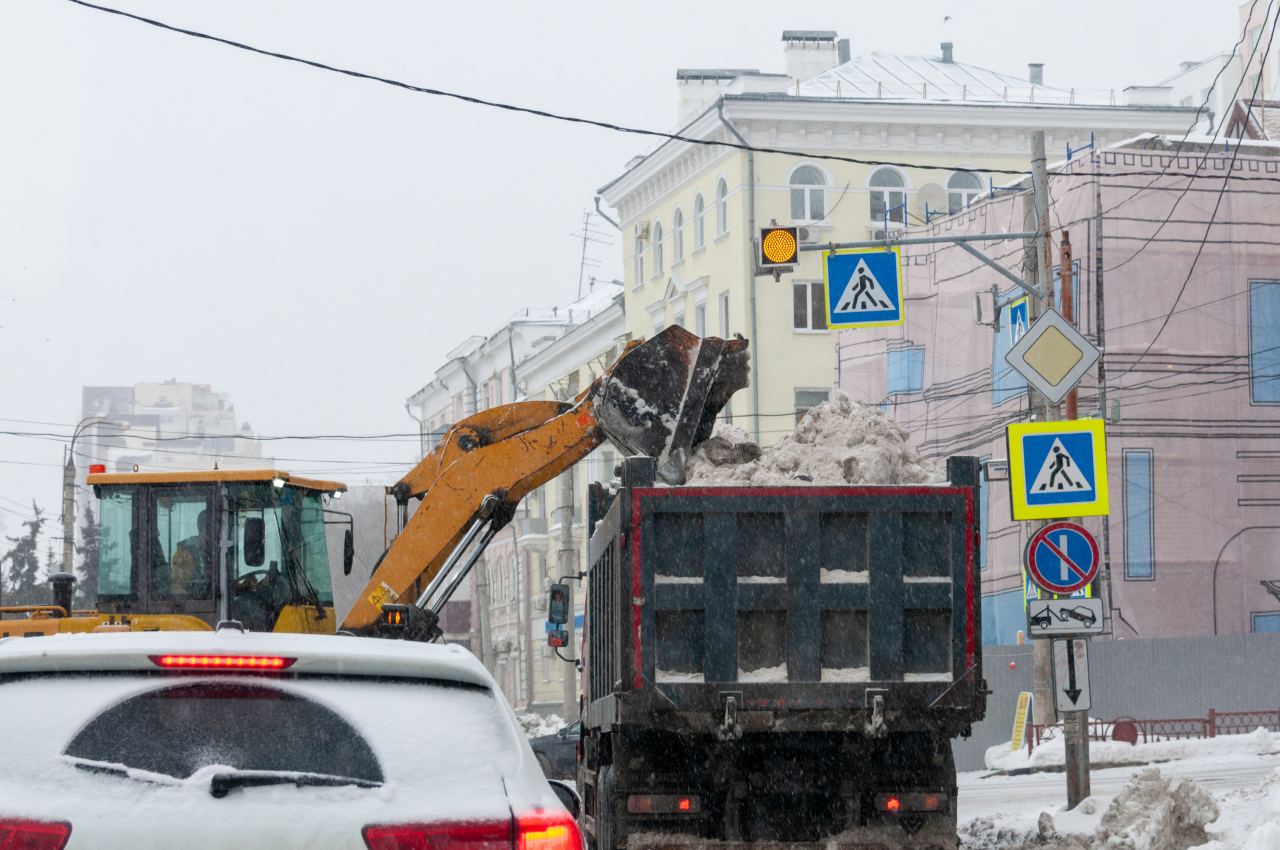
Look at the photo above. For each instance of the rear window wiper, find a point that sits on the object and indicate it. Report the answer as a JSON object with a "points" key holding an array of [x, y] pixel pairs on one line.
{"points": [[222, 783]]}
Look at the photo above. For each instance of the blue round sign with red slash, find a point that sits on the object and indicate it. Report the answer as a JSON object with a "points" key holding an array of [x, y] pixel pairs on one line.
{"points": [[1062, 557]]}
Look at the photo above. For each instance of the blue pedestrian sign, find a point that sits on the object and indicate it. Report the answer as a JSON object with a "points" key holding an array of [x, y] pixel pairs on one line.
{"points": [[1058, 469], [1018, 321], [864, 287], [1062, 558]]}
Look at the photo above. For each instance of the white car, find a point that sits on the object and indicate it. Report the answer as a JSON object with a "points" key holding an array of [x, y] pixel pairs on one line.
{"points": [[239, 740]]}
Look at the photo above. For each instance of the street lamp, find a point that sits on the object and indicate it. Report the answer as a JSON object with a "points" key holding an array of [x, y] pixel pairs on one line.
{"points": [[69, 489]]}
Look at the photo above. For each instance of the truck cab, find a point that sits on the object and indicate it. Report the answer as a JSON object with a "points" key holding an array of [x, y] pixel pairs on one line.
{"points": [[186, 550]]}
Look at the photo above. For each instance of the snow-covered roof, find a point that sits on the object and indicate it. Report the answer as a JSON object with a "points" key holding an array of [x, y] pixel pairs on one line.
{"points": [[892, 77]]}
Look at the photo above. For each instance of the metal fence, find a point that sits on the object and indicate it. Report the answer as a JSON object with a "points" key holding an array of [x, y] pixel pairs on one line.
{"points": [[1232, 676], [1217, 723]]}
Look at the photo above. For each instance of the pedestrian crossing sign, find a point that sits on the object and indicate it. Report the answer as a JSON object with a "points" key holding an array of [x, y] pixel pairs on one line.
{"points": [[1058, 469], [863, 287]]}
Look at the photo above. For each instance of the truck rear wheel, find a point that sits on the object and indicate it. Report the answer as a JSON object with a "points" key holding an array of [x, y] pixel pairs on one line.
{"points": [[606, 827]]}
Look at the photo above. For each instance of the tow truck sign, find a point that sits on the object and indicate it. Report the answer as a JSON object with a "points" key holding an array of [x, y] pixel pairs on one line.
{"points": [[1064, 617]]}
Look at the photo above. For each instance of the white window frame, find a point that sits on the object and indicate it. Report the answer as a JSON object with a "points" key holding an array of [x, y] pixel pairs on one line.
{"points": [[722, 302], [657, 249], [967, 195], [885, 193], [722, 206], [677, 237], [808, 189], [699, 222], [637, 257], [810, 286]]}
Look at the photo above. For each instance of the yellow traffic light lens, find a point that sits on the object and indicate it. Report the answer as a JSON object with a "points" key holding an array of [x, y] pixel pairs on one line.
{"points": [[779, 246]]}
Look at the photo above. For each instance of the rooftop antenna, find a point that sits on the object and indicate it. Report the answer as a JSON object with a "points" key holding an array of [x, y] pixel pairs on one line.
{"points": [[588, 234]]}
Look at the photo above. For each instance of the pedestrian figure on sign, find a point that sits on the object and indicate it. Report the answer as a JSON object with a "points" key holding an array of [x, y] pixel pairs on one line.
{"points": [[1060, 462], [865, 289]]}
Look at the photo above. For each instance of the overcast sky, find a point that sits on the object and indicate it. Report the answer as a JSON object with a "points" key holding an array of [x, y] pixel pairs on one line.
{"points": [[313, 244]]}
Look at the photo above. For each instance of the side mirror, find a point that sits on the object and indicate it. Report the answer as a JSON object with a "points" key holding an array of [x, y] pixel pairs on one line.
{"points": [[558, 605], [568, 796], [255, 541], [348, 552]]}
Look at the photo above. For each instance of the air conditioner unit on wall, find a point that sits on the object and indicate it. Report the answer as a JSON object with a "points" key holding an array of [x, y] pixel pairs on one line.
{"points": [[539, 603], [642, 230], [807, 234]]}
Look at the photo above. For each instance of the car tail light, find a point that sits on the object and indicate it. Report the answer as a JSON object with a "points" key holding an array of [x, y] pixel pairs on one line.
{"points": [[663, 804], [223, 662], [911, 802], [18, 834], [537, 830], [548, 829], [439, 836]]}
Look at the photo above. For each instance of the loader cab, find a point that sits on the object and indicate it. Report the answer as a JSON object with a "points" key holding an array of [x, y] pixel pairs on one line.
{"points": [[222, 545]]}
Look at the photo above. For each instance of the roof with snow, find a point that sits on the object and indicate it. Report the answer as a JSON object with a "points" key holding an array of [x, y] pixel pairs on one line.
{"points": [[889, 76]]}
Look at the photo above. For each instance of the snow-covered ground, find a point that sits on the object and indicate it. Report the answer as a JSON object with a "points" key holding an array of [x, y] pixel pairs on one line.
{"points": [[1233, 796], [535, 725]]}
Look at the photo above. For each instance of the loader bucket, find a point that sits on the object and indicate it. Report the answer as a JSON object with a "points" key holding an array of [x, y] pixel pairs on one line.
{"points": [[662, 397]]}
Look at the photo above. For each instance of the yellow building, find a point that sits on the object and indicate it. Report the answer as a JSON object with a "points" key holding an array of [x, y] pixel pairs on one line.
{"points": [[896, 124]]}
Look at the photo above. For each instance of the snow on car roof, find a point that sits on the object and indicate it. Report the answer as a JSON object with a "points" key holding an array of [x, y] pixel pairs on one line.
{"points": [[314, 654]]}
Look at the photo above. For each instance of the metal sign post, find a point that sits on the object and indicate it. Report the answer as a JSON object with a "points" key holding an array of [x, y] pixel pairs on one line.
{"points": [[1071, 695]]}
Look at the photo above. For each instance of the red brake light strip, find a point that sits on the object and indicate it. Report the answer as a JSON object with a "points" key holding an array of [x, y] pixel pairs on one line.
{"points": [[223, 662]]}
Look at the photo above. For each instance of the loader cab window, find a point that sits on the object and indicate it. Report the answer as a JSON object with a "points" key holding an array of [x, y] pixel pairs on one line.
{"points": [[291, 565], [182, 551], [115, 544]]}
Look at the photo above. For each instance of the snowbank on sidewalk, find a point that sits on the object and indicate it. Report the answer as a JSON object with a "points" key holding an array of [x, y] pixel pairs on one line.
{"points": [[535, 725], [1053, 752], [1250, 818], [839, 442]]}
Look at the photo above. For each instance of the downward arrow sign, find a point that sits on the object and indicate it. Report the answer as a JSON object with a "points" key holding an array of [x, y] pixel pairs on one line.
{"points": [[1072, 692]]}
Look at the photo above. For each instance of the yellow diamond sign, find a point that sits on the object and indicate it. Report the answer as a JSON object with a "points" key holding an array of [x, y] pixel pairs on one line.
{"points": [[1053, 356]]}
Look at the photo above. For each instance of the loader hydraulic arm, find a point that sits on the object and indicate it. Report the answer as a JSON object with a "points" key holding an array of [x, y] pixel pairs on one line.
{"points": [[659, 398]]}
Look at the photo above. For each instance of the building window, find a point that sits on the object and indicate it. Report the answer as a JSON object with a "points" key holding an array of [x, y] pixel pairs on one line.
{"points": [[700, 319], [883, 197], [808, 194], [806, 400], [657, 248], [984, 516], [905, 370], [699, 223], [485, 395], [1006, 383], [962, 189], [1264, 342], [809, 310], [638, 255], [658, 323], [724, 315], [678, 319], [1138, 516], [677, 235], [722, 207], [1266, 621]]}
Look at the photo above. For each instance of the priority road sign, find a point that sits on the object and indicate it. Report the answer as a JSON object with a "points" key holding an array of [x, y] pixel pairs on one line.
{"points": [[1062, 558], [1071, 675], [864, 287], [1053, 356], [1058, 469], [1064, 617]]}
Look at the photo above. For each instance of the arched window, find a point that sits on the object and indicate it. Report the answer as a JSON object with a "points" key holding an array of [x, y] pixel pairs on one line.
{"points": [[657, 247], [722, 207], [808, 194], [677, 234], [962, 188], [883, 183], [699, 223], [637, 253]]}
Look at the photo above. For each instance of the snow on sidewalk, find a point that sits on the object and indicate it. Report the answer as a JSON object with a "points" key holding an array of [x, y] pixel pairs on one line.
{"points": [[1215, 794], [535, 725], [1052, 753]]}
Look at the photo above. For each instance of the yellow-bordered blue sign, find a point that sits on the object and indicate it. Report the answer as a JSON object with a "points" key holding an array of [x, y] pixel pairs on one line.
{"points": [[1058, 469], [863, 287], [1018, 321]]}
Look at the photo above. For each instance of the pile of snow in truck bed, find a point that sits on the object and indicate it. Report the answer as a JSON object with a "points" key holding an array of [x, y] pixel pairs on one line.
{"points": [[839, 442]]}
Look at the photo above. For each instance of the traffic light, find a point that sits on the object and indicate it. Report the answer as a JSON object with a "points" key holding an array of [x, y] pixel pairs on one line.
{"points": [[779, 246]]}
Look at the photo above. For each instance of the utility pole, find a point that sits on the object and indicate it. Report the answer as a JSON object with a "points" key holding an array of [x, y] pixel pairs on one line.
{"points": [[1041, 410], [567, 563]]}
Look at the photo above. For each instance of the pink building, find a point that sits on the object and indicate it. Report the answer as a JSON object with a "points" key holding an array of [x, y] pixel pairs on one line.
{"points": [[1191, 301]]}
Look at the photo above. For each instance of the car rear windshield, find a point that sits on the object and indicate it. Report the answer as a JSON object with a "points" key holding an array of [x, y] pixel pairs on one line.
{"points": [[178, 730]]}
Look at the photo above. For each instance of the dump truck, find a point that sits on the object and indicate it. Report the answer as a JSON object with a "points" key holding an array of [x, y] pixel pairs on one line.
{"points": [[187, 550], [782, 664]]}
